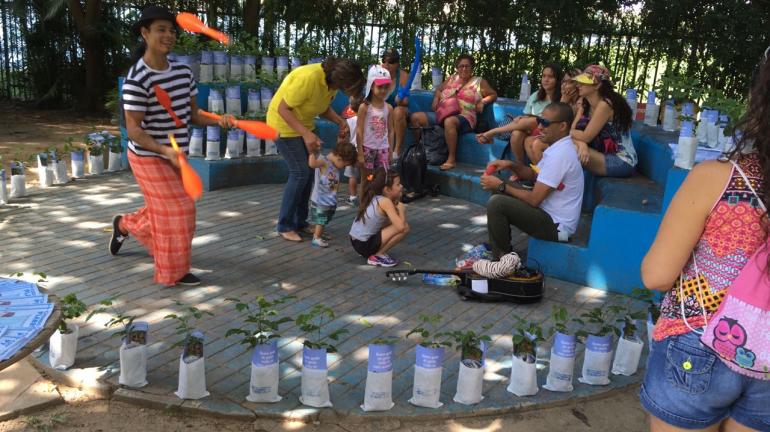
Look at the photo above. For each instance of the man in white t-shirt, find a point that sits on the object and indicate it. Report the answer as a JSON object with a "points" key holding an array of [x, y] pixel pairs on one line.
{"points": [[551, 210]]}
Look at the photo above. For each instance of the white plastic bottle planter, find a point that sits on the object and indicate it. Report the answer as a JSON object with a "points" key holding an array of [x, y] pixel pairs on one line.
{"points": [[216, 102], [417, 83], [562, 364], [44, 171], [263, 386], [113, 162], [265, 96], [77, 164], [220, 66], [712, 129], [470, 380], [206, 74], [722, 137], [295, 63], [18, 180], [192, 62], [253, 146], [650, 329], [627, 356], [233, 100], [249, 68], [631, 99], [281, 66], [253, 103], [270, 148], [670, 115], [315, 60], [3, 188], [378, 393], [596, 364], [436, 76], [133, 356], [688, 145], [62, 348], [526, 88], [192, 369], [701, 132], [651, 110], [729, 144], [95, 164], [234, 144], [428, 367], [59, 170], [523, 380], [196, 143], [315, 384], [268, 65], [236, 68], [213, 135]]}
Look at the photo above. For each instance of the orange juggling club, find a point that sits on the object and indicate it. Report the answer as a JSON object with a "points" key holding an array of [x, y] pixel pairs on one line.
{"points": [[257, 128], [190, 180], [165, 101], [193, 24]]}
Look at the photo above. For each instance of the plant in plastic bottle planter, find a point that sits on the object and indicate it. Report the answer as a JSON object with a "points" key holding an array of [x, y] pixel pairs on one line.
{"points": [[429, 362], [77, 161], [58, 167], [630, 345], [281, 66], [220, 66], [236, 68], [315, 385], [265, 96], [631, 100], [687, 146], [133, 352], [378, 393], [233, 100], [712, 128], [213, 136], [653, 310], [651, 110], [253, 146], [314, 60], [95, 155], [268, 66], [207, 67], [63, 343], [470, 379], [295, 63], [436, 76], [216, 102], [526, 88], [526, 336], [114, 162], [701, 131], [724, 120], [192, 369], [196, 142], [670, 116], [598, 353], [261, 335], [253, 103], [44, 171], [3, 187], [249, 68], [18, 180], [234, 144], [561, 365]]}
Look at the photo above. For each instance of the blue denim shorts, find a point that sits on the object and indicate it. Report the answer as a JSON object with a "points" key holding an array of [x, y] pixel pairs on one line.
{"points": [[616, 167], [686, 385], [463, 127]]}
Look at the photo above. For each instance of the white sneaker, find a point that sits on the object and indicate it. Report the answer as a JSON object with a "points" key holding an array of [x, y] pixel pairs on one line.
{"points": [[319, 242]]}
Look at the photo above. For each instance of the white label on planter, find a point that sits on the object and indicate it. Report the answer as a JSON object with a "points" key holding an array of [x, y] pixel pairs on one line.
{"points": [[380, 358], [480, 286], [314, 358], [263, 386]]}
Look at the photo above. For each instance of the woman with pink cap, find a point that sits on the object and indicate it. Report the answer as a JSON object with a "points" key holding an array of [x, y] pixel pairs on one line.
{"points": [[602, 127]]}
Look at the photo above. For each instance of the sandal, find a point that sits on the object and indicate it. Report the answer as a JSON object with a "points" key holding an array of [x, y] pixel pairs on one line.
{"points": [[291, 236], [446, 167]]}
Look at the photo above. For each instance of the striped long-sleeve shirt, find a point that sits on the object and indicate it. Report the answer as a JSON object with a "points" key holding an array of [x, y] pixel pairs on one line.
{"points": [[139, 95]]}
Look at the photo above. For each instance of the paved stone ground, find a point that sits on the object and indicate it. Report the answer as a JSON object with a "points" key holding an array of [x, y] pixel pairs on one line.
{"points": [[64, 231]]}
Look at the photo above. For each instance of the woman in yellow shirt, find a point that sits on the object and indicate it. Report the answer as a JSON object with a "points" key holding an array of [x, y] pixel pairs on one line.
{"points": [[304, 94]]}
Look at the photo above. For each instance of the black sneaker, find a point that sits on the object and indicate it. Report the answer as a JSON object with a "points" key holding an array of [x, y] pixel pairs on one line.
{"points": [[117, 239], [189, 280]]}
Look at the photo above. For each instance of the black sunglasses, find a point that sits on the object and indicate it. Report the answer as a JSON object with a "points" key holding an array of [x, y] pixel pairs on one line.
{"points": [[545, 122]]}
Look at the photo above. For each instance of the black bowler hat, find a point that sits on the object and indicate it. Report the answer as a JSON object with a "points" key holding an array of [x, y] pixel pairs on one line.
{"points": [[150, 14]]}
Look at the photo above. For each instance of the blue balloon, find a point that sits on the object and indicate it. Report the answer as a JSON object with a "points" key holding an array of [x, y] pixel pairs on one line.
{"points": [[405, 91]]}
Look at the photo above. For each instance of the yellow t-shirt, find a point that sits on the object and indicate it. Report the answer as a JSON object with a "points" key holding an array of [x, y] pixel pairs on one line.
{"points": [[306, 92]]}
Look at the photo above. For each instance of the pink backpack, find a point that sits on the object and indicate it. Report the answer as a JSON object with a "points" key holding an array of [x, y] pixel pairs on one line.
{"points": [[739, 330]]}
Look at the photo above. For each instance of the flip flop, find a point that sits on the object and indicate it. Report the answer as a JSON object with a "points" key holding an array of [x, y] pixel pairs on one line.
{"points": [[284, 235], [446, 167]]}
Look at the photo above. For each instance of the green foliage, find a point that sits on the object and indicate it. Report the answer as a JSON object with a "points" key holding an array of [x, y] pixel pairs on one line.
{"points": [[41, 277], [648, 297], [186, 320], [118, 317], [46, 425], [679, 88], [560, 319], [469, 342], [71, 308], [187, 44], [428, 332], [627, 318], [598, 322], [261, 318], [244, 44], [526, 335], [381, 340], [95, 148], [313, 323], [114, 145], [734, 108], [70, 147]]}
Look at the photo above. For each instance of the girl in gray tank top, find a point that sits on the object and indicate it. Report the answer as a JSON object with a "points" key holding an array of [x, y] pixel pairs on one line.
{"points": [[381, 220]]}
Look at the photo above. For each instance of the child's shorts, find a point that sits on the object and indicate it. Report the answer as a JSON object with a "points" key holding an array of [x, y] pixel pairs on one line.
{"points": [[369, 247], [321, 215], [375, 158], [352, 172]]}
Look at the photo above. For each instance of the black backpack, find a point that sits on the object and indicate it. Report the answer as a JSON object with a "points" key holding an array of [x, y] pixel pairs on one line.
{"points": [[413, 169], [433, 140]]}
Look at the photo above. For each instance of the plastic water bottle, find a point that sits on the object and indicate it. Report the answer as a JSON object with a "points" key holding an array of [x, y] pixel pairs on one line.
{"points": [[437, 77], [212, 142], [631, 99], [688, 145], [651, 111], [525, 88]]}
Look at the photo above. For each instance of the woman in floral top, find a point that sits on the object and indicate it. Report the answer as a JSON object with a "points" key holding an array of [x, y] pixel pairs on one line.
{"points": [[472, 93], [711, 229]]}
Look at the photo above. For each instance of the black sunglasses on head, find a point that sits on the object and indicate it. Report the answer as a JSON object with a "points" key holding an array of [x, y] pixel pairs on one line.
{"points": [[545, 122]]}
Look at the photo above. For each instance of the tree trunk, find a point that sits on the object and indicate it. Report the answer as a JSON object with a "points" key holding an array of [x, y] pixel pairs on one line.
{"points": [[251, 12], [88, 20]]}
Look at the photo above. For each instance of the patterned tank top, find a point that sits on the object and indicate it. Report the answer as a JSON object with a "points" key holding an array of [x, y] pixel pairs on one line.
{"points": [[732, 234], [468, 95]]}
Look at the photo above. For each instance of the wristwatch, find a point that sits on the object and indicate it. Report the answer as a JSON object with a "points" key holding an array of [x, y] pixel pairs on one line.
{"points": [[501, 187]]}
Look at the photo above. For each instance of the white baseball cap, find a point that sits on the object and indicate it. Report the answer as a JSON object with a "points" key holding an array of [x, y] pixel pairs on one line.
{"points": [[377, 75]]}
